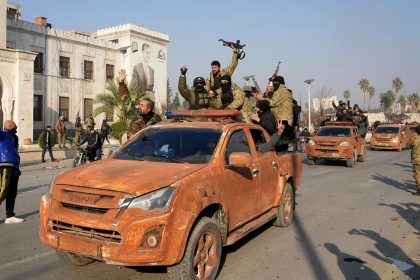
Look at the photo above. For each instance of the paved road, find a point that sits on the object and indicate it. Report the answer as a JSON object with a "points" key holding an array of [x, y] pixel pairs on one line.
{"points": [[351, 223]]}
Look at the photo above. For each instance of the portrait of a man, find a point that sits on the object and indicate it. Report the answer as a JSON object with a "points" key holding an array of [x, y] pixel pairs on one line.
{"points": [[143, 73]]}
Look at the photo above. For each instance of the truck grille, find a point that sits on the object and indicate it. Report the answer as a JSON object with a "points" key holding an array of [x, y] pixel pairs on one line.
{"points": [[383, 140], [87, 209], [327, 144], [93, 233], [326, 151]]}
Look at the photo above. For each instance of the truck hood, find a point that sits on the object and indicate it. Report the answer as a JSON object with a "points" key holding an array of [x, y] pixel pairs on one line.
{"points": [[129, 176]]}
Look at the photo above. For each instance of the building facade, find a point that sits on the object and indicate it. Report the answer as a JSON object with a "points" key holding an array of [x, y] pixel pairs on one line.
{"points": [[46, 72]]}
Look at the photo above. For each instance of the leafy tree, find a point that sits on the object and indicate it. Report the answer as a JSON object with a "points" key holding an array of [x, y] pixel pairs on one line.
{"points": [[185, 104], [397, 85], [176, 103], [414, 101], [387, 99], [346, 95], [364, 86], [371, 92], [169, 97], [110, 102], [403, 102]]}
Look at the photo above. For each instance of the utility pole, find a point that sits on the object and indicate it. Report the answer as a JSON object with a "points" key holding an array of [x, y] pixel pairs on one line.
{"points": [[309, 82]]}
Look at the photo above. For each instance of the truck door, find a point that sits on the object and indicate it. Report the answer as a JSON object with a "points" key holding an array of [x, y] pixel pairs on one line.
{"points": [[268, 170], [241, 184]]}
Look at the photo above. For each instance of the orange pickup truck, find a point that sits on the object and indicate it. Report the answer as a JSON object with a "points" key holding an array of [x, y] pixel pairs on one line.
{"points": [[337, 141], [390, 137], [173, 195]]}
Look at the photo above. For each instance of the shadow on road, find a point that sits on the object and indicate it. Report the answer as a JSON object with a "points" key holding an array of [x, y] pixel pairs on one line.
{"points": [[408, 211], [31, 188], [351, 266], [390, 252], [408, 186]]}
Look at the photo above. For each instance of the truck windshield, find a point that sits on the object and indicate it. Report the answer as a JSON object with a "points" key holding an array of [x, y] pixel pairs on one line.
{"points": [[189, 145], [413, 128], [334, 131], [387, 130]]}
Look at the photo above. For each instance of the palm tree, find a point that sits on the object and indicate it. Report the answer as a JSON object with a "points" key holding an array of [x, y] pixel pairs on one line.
{"points": [[364, 86], [346, 95], [371, 94], [387, 99], [397, 85], [110, 102], [414, 101], [403, 102]]}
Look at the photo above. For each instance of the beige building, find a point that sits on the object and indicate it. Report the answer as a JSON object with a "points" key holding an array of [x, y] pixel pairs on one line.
{"points": [[47, 72]]}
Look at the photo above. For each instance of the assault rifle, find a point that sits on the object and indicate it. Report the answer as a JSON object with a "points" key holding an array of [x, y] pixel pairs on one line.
{"points": [[237, 45], [276, 72]]}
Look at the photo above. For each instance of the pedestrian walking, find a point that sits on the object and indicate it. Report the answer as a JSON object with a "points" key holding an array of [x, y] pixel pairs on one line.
{"points": [[78, 127], [9, 170], [46, 141], [105, 131]]}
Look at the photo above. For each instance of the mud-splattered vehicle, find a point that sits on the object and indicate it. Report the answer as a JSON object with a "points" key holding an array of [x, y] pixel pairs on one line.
{"points": [[390, 137], [337, 141], [173, 195]]}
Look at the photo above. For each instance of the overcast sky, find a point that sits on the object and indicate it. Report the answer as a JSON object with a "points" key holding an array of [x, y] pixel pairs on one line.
{"points": [[334, 42]]}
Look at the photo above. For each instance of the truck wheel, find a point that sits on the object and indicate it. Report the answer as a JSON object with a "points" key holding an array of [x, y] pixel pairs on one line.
{"points": [[372, 149], [202, 255], [74, 259], [286, 208], [362, 158], [350, 162]]}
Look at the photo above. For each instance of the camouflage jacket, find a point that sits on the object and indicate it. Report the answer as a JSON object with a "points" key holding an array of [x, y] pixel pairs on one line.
{"points": [[415, 149], [282, 104], [60, 126], [237, 103], [196, 100], [246, 111], [137, 123], [210, 82]]}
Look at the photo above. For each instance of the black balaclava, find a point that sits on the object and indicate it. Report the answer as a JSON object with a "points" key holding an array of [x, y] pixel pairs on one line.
{"points": [[277, 81], [263, 105], [226, 87]]}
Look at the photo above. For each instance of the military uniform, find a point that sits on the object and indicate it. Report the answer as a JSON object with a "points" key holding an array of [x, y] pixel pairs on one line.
{"points": [[281, 104], [246, 111], [237, 103], [415, 159], [61, 129], [137, 122], [197, 100], [214, 81], [79, 130]]}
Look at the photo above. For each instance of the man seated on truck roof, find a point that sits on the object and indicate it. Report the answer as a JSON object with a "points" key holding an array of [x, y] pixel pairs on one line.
{"points": [[280, 140]]}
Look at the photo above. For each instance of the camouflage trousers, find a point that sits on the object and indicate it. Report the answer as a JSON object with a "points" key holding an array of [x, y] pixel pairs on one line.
{"points": [[416, 174]]}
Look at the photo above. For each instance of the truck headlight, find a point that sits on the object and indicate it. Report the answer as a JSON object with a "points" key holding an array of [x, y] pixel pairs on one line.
{"points": [[311, 142], [344, 144], [157, 200], [395, 140], [51, 188]]}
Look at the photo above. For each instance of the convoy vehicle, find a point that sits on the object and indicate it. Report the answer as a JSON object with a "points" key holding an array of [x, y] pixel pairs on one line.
{"points": [[337, 141], [173, 195], [390, 137], [411, 131]]}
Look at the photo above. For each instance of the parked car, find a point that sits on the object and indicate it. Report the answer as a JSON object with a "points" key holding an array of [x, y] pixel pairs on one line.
{"points": [[173, 195]]}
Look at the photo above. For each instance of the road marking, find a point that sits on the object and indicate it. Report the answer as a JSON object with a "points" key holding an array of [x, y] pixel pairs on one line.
{"points": [[25, 260]]}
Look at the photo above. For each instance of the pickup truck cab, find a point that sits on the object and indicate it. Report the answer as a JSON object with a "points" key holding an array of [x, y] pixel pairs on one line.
{"points": [[390, 137], [173, 195], [337, 141]]}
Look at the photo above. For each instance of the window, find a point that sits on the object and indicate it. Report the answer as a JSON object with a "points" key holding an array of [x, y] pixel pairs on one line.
{"points": [[109, 72], [63, 107], [39, 63], [237, 143], [115, 41], [109, 117], [12, 13], [64, 66], [87, 107], [88, 70], [37, 108], [258, 136]]}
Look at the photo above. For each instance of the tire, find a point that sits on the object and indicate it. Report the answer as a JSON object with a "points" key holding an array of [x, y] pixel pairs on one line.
{"points": [[74, 259], [75, 161], [311, 161], [286, 209], [362, 158], [372, 149], [351, 161], [206, 234]]}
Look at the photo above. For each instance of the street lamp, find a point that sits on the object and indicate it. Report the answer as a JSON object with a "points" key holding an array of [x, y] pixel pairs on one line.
{"points": [[309, 82]]}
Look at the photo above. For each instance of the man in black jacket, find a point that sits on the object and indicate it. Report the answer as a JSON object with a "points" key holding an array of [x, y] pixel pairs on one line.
{"points": [[279, 141], [92, 140], [264, 117], [47, 140]]}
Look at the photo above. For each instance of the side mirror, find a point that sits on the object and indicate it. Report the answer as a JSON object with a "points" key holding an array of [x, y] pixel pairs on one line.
{"points": [[239, 160]]}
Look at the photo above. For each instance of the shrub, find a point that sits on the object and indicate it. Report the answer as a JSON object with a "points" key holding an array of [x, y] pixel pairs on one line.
{"points": [[53, 139], [118, 129]]}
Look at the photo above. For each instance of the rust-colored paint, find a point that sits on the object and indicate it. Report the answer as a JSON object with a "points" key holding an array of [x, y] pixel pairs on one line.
{"points": [[385, 141], [87, 213], [328, 147]]}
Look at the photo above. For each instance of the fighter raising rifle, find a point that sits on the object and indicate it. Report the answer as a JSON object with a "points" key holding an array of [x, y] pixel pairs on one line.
{"points": [[237, 45], [276, 72], [246, 78]]}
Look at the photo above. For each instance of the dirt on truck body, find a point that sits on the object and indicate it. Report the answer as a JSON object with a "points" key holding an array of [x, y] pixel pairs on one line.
{"points": [[337, 141], [173, 195]]}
